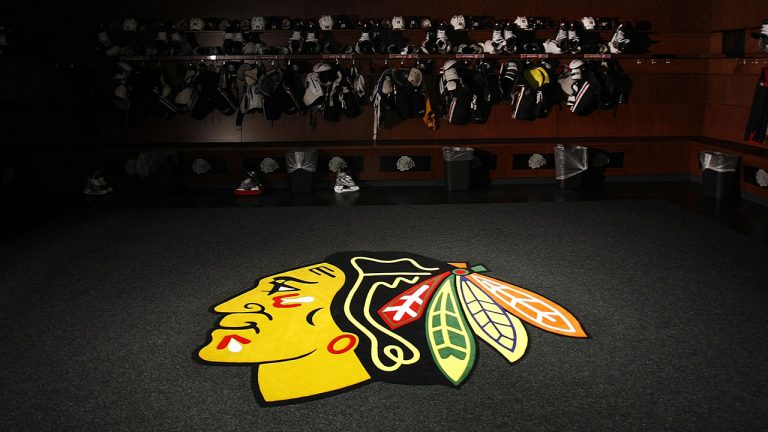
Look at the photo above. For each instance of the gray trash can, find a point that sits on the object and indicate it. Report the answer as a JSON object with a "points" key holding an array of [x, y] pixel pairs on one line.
{"points": [[596, 167], [720, 174], [570, 166], [301, 165], [458, 167]]}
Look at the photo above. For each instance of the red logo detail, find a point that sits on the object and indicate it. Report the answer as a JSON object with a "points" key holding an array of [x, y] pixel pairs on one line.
{"points": [[280, 303], [225, 341], [409, 305], [350, 341]]}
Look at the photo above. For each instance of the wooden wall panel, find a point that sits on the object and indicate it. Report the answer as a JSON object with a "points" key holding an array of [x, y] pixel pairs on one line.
{"points": [[664, 15], [748, 185], [661, 158], [503, 155], [256, 128], [289, 8], [691, 88], [148, 9], [411, 129], [679, 43], [636, 120], [466, 132], [726, 122], [506, 160], [508, 127], [250, 159], [731, 88], [111, 126], [448, 8], [738, 67], [639, 158], [215, 127], [436, 169], [673, 16], [732, 81], [668, 88], [595, 124], [367, 169], [663, 66], [224, 169], [754, 190], [735, 89], [693, 162], [751, 46], [204, 8], [358, 128], [734, 14]]}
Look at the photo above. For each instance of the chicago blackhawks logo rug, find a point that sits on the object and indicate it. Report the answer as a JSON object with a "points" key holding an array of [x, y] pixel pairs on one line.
{"points": [[358, 317]]}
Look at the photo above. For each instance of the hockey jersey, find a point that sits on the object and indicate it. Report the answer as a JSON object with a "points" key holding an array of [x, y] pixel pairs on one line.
{"points": [[758, 115]]}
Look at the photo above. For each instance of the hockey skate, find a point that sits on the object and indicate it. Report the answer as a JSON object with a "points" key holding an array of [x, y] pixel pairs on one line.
{"points": [[250, 186], [96, 185], [344, 183]]}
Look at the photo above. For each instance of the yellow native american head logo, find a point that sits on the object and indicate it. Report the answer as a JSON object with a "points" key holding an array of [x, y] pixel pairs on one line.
{"points": [[386, 316]]}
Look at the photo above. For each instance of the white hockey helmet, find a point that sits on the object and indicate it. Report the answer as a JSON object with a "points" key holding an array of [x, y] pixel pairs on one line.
{"points": [[124, 68], [321, 67], [588, 23], [325, 22], [489, 47], [450, 63], [196, 24], [458, 22], [398, 23], [313, 95], [130, 24], [575, 64], [258, 23], [521, 22]]}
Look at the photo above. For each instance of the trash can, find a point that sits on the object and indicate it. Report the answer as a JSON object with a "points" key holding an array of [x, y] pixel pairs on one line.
{"points": [[301, 165], [720, 174], [458, 167], [570, 166], [597, 165]]}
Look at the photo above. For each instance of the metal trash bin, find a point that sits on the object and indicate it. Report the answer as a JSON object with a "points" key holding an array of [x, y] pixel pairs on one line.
{"points": [[301, 165], [570, 166], [458, 167], [597, 166], [720, 174]]}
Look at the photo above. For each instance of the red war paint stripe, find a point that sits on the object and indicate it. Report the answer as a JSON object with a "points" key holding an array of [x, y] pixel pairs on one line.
{"points": [[279, 302], [225, 341]]}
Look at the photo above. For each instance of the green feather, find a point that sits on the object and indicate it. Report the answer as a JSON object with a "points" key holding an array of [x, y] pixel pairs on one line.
{"points": [[449, 337]]}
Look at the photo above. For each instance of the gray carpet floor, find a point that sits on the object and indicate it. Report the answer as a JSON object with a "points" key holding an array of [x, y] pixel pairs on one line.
{"points": [[103, 309]]}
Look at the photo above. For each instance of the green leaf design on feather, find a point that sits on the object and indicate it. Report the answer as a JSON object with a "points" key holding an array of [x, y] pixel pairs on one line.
{"points": [[449, 337]]}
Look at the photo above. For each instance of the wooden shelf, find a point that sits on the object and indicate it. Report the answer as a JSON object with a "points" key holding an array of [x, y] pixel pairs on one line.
{"points": [[282, 57]]}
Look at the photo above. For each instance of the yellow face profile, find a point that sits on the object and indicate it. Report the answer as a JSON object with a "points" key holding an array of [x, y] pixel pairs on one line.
{"points": [[253, 329]]}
